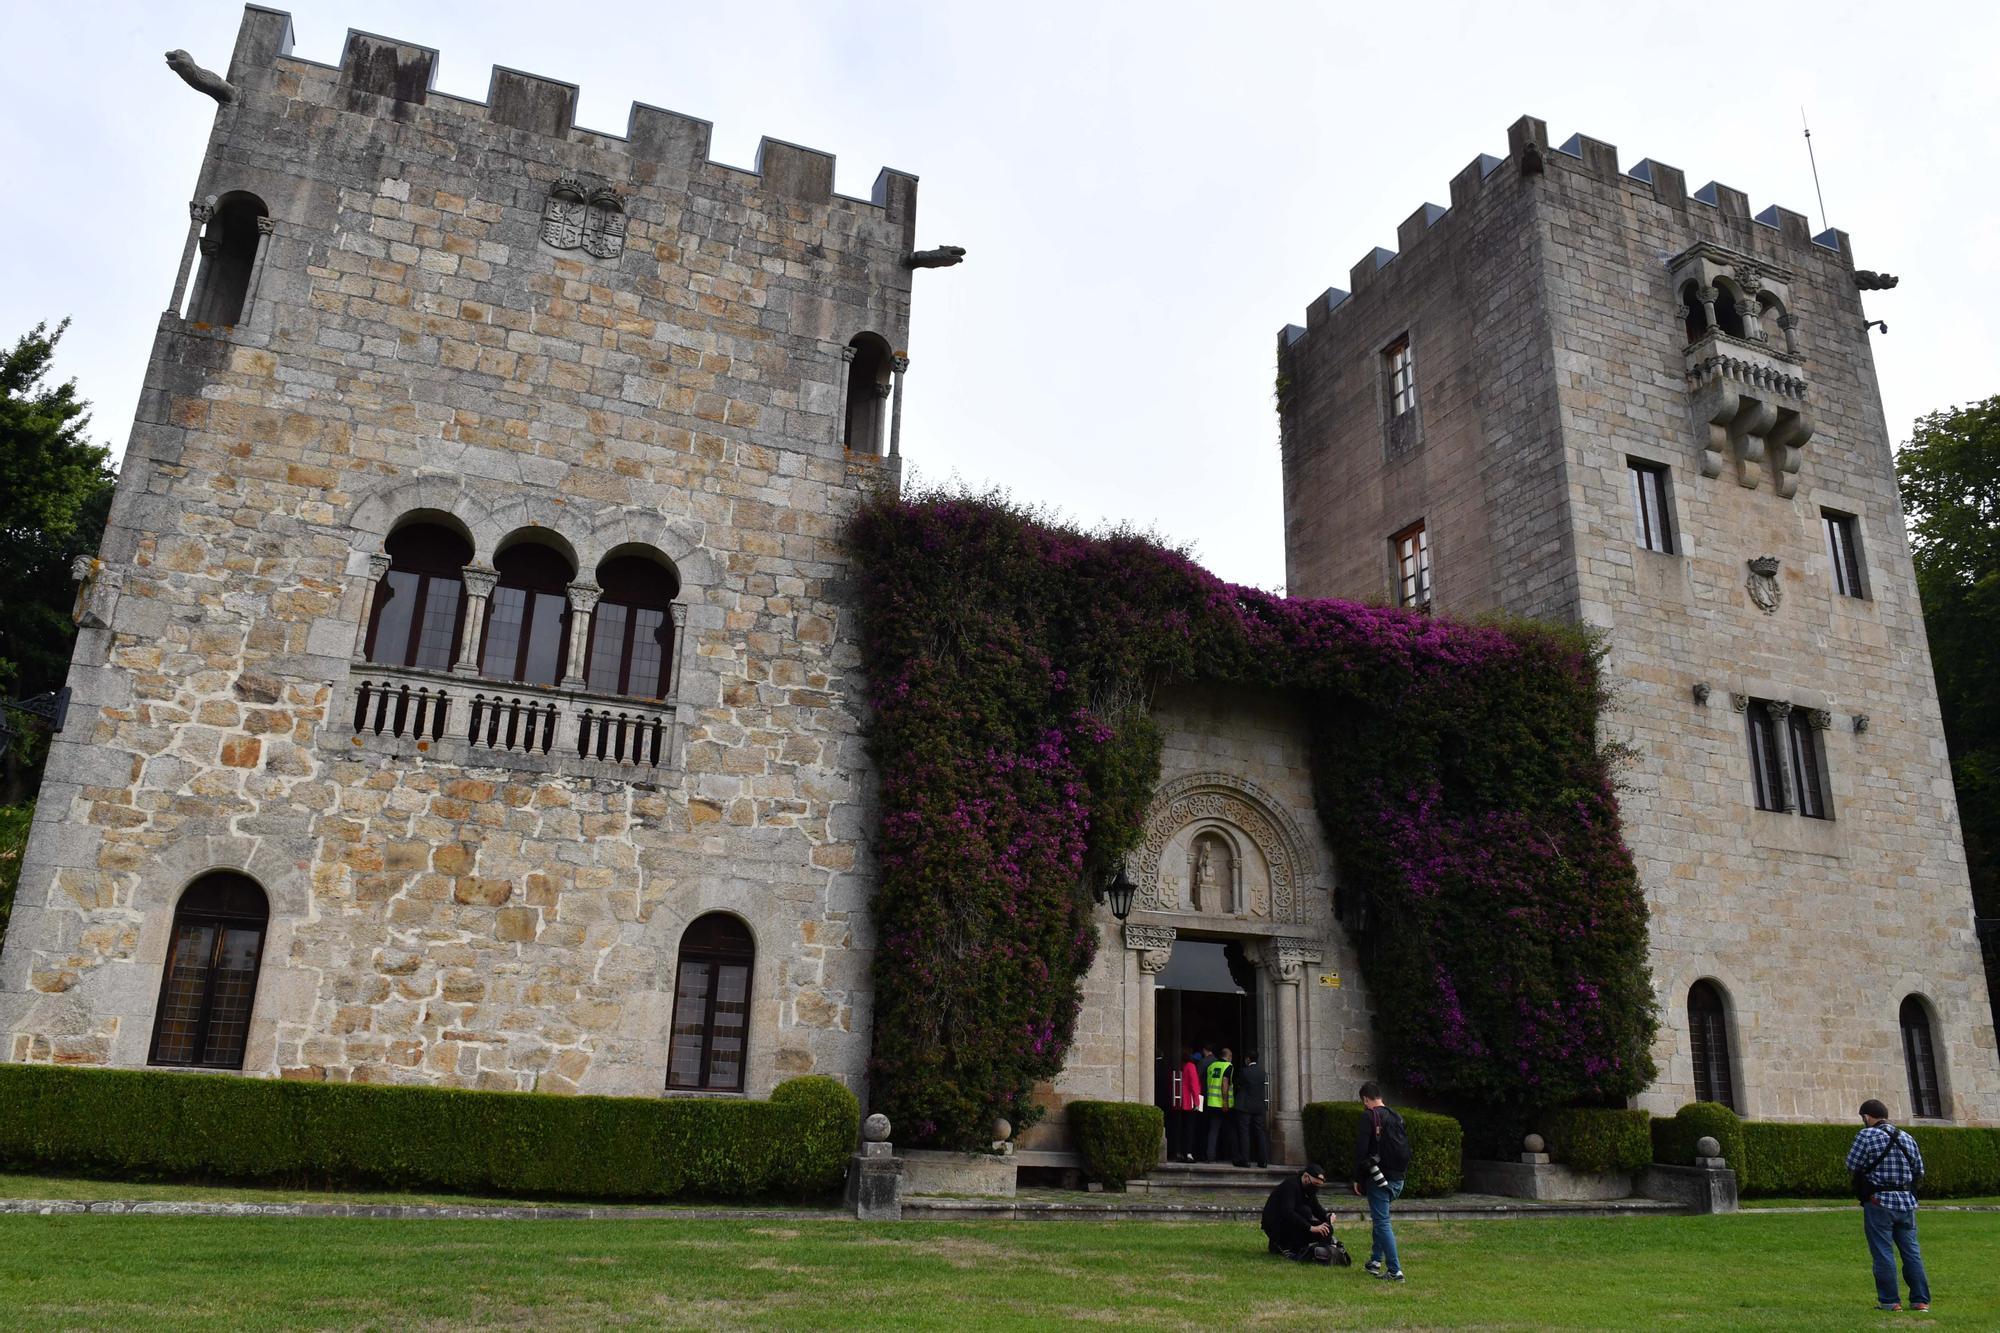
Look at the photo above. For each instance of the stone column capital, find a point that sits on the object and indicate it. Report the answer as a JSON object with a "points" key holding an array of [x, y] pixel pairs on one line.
{"points": [[883, 390], [1780, 710], [899, 363], [479, 580], [847, 353], [1147, 938], [378, 565], [266, 225], [1289, 958], [199, 212], [583, 597]]}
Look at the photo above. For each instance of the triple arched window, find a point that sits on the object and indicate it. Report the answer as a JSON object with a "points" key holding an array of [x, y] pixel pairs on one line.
{"points": [[210, 981], [518, 619]]}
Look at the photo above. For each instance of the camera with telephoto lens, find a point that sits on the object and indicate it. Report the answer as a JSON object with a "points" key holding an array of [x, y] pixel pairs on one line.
{"points": [[1375, 1173]]}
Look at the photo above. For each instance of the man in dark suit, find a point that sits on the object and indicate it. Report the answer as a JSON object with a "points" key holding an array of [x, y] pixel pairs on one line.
{"points": [[1253, 1103]]}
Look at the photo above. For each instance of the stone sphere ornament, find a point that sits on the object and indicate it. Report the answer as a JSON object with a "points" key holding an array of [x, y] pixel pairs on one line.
{"points": [[875, 1128], [1707, 1147], [1533, 1143], [1002, 1131]]}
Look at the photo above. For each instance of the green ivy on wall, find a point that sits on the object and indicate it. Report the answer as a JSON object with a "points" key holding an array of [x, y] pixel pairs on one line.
{"points": [[1456, 768]]}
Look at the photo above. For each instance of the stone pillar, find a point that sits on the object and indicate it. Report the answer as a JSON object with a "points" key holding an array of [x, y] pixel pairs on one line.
{"points": [[1781, 738], [902, 363], [582, 610], [882, 392], [1153, 947], [265, 226], [1790, 324], [1708, 297], [479, 581], [378, 565], [198, 216], [840, 410], [1287, 961]]}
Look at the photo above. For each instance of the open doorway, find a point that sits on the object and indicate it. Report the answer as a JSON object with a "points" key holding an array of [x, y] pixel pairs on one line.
{"points": [[1207, 994]]}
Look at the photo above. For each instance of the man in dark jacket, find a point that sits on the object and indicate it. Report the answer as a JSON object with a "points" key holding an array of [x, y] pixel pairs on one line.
{"points": [[1381, 1161], [1298, 1226], [1253, 1139]]}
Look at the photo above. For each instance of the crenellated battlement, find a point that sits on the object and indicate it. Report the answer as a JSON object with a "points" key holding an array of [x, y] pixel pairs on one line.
{"points": [[1713, 209], [393, 78]]}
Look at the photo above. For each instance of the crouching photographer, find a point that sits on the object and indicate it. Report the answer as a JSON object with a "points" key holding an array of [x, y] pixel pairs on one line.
{"points": [[1298, 1225]]}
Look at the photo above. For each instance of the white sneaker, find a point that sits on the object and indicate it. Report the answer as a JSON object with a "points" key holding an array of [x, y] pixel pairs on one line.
{"points": [[1374, 1267]]}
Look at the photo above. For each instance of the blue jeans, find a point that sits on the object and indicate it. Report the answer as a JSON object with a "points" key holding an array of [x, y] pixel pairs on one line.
{"points": [[1383, 1244], [1889, 1230]]}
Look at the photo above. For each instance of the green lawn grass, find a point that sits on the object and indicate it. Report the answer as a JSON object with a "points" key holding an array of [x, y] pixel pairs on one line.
{"points": [[1983, 1201], [18, 1186], [1768, 1271]]}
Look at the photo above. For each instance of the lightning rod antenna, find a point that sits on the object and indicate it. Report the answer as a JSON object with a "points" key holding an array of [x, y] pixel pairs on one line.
{"points": [[1815, 169]]}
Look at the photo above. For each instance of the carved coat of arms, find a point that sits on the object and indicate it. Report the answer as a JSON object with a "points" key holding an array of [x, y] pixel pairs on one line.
{"points": [[592, 220], [1762, 584]]}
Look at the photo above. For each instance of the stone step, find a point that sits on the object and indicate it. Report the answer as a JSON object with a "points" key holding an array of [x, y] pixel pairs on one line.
{"points": [[1349, 1218], [1178, 1176]]}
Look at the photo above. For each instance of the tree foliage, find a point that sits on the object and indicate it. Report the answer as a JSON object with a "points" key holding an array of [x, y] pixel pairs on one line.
{"points": [[55, 493], [1950, 476], [1456, 770]]}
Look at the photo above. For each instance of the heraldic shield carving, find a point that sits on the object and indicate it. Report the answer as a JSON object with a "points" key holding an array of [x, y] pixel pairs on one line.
{"points": [[593, 222]]}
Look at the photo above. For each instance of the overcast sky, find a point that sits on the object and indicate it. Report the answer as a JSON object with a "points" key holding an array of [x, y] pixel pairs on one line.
{"points": [[1147, 191]]}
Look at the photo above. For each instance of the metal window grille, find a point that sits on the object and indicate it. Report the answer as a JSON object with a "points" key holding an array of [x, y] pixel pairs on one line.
{"points": [[1708, 1032], [1649, 498], [1920, 1057]]}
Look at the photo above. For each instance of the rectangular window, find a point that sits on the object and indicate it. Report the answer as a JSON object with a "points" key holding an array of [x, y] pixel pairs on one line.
{"points": [[1413, 566], [1843, 551], [1402, 368], [1808, 772], [1649, 499], [1767, 774]]}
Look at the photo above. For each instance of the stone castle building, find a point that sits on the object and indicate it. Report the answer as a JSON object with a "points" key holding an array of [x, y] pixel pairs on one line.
{"points": [[1596, 396], [466, 691]]}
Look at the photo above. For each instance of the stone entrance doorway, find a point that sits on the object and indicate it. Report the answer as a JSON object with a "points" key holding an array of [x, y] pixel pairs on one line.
{"points": [[1207, 993]]}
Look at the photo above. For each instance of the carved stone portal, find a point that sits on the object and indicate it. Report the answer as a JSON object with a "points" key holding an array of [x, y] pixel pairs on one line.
{"points": [[1258, 863]]}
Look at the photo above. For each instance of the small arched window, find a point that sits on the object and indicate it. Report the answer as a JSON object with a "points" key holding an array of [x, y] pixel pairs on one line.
{"points": [[211, 974], [1697, 318], [867, 391], [228, 254], [527, 621], [419, 607], [711, 1005], [1708, 1030], [1920, 1058], [1769, 311], [1727, 317], [632, 630]]}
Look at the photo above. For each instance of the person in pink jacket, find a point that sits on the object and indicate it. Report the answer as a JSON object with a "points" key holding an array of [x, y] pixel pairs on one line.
{"points": [[1187, 1118]]}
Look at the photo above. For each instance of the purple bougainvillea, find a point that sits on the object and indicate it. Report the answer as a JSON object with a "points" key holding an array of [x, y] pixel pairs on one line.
{"points": [[1456, 769]]}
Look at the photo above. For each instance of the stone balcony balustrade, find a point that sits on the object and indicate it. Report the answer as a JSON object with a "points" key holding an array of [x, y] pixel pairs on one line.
{"points": [[1753, 398], [452, 718]]}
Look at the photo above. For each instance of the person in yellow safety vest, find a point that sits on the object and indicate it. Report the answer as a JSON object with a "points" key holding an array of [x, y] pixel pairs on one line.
{"points": [[1219, 1098]]}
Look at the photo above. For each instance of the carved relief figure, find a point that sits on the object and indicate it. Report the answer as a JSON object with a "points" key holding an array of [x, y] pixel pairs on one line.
{"points": [[1212, 875]]}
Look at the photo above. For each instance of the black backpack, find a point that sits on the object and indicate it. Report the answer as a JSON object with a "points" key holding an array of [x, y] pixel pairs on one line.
{"points": [[1392, 1143]]}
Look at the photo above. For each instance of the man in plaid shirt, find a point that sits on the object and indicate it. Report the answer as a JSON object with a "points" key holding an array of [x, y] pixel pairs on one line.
{"points": [[1890, 1162]]}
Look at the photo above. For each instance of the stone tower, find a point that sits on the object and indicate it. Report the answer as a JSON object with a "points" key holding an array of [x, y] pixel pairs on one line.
{"points": [[1592, 395], [465, 693]]}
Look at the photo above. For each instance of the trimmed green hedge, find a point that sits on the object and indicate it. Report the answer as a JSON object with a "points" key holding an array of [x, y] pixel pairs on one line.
{"points": [[137, 1124], [1674, 1136], [1594, 1139], [1437, 1145], [1811, 1160], [1118, 1141]]}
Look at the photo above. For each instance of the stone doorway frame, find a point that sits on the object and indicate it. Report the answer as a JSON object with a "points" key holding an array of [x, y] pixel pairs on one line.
{"points": [[1281, 963]]}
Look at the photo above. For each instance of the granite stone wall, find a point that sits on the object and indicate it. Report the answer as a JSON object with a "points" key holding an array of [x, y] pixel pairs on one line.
{"points": [[424, 340], [1556, 263]]}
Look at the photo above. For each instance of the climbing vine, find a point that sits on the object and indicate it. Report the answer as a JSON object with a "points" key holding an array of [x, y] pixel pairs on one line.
{"points": [[1456, 769]]}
